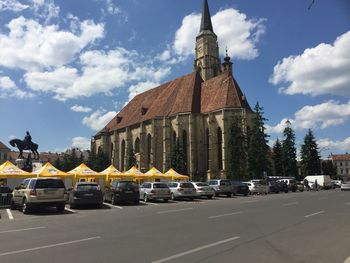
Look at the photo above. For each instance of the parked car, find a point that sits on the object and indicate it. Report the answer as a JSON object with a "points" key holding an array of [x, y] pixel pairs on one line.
{"points": [[203, 190], [345, 186], [239, 188], [36, 192], [122, 191], [154, 191], [291, 184], [300, 186], [221, 187], [323, 181], [274, 187], [256, 187], [85, 193], [336, 183], [5, 196], [182, 190]]}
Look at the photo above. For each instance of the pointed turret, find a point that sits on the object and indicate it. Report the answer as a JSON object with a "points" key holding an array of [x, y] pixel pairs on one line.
{"points": [[206, 19]]}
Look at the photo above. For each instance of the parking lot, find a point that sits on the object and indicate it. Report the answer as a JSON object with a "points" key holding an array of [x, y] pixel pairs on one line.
{"points": [[293, 227]]}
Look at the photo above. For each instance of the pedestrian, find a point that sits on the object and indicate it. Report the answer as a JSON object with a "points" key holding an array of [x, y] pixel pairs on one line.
{"points": [[316, 185], [306, 184]]}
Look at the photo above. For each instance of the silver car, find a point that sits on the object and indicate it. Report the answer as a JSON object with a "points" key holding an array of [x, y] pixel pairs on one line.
{"points": [[181, 190], [203, 189], [154, 191], [221, 187], [345, 186]]}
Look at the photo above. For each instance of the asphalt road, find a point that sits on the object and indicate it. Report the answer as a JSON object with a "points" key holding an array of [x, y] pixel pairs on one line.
{"points": [[293, 227]]}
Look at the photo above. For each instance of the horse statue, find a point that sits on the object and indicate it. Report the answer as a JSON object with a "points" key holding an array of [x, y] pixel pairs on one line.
{"points": [[22, 145]]}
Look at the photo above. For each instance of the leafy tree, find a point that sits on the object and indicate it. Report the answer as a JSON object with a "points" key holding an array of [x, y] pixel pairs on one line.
{"points": [[131, 158], [237, 149], [277, 158], [57, 163], [258, 149], [99, 161], [328, 168], [177, 158], [310, 160], [290, 167]]}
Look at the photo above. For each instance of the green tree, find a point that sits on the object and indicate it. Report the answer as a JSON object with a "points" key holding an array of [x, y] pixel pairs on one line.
{"points": [[290, 167], [328, 168], [310, 160], [237, 150], [57, 163], [177, 158], [99, 161], [131, 158], [258, 149], [277, 158]]}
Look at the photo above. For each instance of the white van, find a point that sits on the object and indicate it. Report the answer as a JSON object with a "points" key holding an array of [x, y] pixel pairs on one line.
{"points": [[323, 181]]}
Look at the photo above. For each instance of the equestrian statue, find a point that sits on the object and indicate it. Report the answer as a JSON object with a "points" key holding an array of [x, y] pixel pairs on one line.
{"points": [[26, 144]]}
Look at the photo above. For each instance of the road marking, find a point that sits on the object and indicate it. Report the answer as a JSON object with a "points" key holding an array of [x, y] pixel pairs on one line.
{"points": [[289, 204], [230, 214], [70, 210], [148, 203], [48, 246], [9, 213], [174, 211], [317, 213], [23, 229], [247, 202], [195, 250], [116, 206]]}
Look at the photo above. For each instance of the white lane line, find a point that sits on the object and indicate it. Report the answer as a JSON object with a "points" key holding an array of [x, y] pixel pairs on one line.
{"points": [[289, 204], [317, 213], [70, 210], [116, 206], [148, 203], [23, 229], [48, 246], [9, 213], [247, 202], [195, 250], [230, 214], [174, 211]]}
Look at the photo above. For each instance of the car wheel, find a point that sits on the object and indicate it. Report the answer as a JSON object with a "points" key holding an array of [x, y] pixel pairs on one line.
{"points": [[137, 201], [172, 197], [25, 208], [113, 200], [60, 208], [245, 194], [229, 195], [166, 200], [145, 198], [210, 196], [72, 205], [100, 205], [13, 205], [191, 198]]}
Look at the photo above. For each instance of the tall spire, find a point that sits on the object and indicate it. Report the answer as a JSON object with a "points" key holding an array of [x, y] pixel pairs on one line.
{"points": [[206, 20]]}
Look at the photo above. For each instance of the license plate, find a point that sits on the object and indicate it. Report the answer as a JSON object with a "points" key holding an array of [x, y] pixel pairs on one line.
{"points": [[3, 194]]}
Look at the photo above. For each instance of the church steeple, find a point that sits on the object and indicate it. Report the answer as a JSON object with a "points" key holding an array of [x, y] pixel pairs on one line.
{"points": [[207, 60], [206, 19]]}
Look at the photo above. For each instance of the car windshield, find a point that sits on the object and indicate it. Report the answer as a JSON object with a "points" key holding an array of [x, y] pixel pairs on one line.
{"points": [[128, 184], [213, 182], [160, 186], [186, 185], [87, 187], [225, 183], [202, 184], [49, 183]]}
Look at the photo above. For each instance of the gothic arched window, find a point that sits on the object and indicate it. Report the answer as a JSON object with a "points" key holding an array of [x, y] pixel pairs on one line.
{"points": [[137, 145], [149, 149], [219, 148], [122, 156], [184, 147]]}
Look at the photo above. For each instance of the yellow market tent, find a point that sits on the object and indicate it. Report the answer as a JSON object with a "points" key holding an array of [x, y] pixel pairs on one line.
{"points": [[113, 173], [84, 172], [9, 170], [176, 176], [155, 173], [49, 170], [136, 174]]}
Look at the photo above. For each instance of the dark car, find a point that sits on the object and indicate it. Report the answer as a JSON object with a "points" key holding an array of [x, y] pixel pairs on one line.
{"points": [[5, 196], [122, 191], [240, 188], [85, 193], [275, 187]]}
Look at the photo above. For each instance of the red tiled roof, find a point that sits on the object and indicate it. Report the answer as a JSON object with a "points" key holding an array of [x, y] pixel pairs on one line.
{"points": [[3, 146], [340, 157], [183, 95]]}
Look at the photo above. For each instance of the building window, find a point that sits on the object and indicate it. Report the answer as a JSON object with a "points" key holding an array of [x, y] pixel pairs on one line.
{"points": [[149, 149], [347, 170], [137, 145], [122, 156], [341, 171], [184, 147], [207, 147], [219, 148], [341, 164]]}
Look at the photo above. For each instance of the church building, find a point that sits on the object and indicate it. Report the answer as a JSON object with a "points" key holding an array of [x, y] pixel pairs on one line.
{"points": [[198, 109]]}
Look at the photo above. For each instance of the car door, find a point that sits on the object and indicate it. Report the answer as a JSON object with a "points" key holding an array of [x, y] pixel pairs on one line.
{"points": [[20, 192]]}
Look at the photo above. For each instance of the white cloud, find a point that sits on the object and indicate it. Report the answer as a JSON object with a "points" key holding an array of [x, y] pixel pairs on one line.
{"points": [[101, 72], [45, 9], [234, 30], [12, 5], [82, 143], [78, 108], [321, 116], [140, 87], [8, 88], [31, 46], [99, 119], [323, 69], [331, 145]]}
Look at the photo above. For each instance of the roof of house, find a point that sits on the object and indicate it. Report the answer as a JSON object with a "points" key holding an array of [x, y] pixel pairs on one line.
{"points": [[340, 157], [186, 94], [3, 147]]}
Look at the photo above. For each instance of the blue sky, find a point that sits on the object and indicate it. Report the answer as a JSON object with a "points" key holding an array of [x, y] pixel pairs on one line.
{"points": [[67, 67]]}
